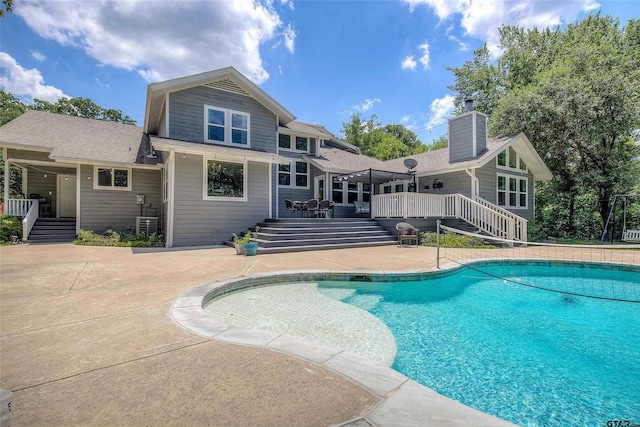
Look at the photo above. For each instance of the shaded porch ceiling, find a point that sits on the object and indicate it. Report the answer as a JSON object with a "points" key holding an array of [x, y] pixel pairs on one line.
{"points": [[373, 176]]}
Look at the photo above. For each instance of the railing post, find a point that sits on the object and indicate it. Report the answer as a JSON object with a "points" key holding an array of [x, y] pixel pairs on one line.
{"points": [[438, 244]]}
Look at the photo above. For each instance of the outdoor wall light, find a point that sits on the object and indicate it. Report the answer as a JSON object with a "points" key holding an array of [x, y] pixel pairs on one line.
{"points": [[437, 184]]}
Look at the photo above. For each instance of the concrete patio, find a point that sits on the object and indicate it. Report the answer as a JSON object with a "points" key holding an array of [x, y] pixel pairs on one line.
{"points": [[86, 338]]}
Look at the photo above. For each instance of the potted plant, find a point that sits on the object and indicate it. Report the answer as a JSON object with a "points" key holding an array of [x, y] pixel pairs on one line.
{"points": [[244, 245]]}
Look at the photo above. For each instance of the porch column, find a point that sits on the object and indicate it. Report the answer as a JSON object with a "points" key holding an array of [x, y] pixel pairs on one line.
{"points": [[7, 166]]}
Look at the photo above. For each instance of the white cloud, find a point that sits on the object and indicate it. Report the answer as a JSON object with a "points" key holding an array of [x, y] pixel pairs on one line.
{"points": [[178, 39], [409, 63], [104, 85], [289, 37], [367, 104], [424, 59], [408, 122], [39, 56], [441, 110], [288, 3], [25, 83], [280, 69], [482, 18]]}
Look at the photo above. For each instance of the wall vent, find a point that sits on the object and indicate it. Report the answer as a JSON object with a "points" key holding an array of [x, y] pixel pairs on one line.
{"points": [[228, 86]]}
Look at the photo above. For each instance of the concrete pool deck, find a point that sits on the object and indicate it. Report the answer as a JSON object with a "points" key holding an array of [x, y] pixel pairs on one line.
{"points": [[86, 338]]}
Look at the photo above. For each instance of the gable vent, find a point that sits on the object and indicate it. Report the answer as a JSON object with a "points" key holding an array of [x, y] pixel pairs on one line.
{"points": [[228, 86]]}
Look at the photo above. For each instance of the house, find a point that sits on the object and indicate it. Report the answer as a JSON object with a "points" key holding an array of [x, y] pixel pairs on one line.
{"points": [[216, 155]]}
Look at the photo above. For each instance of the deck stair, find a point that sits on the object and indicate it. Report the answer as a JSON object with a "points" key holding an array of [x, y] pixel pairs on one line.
{"points": [[310, 234], [50, 230]]}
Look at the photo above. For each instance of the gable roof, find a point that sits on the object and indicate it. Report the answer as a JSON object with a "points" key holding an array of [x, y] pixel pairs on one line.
{"points": [[69, 138], [227, 78]]}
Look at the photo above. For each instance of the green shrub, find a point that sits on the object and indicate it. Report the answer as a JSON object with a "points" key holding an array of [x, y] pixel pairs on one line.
{"points": [[113, 238], [10, 226], [452, 240]]}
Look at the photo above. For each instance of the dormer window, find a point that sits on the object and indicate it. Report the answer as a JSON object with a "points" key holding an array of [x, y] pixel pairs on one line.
{"points": [[223, 126]]}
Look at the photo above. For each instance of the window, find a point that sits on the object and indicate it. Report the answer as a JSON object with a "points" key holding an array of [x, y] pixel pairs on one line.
{"points": [[301, 143], [294, 175], [346, 192], [509, 159], [225, 180], [224, 126], [111, 178], [284, 141], [512, 191]]}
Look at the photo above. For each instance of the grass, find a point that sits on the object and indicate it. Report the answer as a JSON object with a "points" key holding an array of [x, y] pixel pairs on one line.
{"points": [[451, 240]]}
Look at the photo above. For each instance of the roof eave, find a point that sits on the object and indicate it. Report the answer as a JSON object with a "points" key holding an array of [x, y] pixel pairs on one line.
{"points": [[262, 157]]}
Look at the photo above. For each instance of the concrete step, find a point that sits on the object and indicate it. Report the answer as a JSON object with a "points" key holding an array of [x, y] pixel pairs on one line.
{"points": [[310, 241]]}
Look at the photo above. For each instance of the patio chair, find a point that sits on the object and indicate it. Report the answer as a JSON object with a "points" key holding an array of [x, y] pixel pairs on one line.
{"points": [[312, 207], [323, 208], [291, 208], [408, 232]]}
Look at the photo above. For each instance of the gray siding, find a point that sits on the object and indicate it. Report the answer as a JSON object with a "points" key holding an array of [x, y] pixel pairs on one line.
{"points": [[207, 222], [186, 116], [461, 138], [487, 177], [452, 183], [38, 184], [104, 209], [481, 133]]}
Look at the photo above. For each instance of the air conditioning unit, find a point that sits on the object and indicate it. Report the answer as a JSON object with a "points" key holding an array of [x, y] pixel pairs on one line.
{"points": [[147, 224]]}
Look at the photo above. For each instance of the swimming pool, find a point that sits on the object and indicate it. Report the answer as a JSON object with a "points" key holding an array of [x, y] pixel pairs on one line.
{"points": [[527, 355]]}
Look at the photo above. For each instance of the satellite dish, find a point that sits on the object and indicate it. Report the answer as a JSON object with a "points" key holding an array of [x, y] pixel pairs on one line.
{"points": [[410, 163]]}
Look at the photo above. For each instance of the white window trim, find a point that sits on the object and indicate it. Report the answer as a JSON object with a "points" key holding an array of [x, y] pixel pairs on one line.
{"points": [[293, 148], [518, 192], [292, 175], [227, 126], [507, 167], [245, 180], [112, 188]]}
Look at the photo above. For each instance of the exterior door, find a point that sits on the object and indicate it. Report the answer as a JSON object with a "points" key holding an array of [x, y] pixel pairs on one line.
{"points": [[319, 189], [66, 196]]}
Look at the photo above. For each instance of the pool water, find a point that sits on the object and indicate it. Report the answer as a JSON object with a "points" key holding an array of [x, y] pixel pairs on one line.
{"points": [[526, 355]]}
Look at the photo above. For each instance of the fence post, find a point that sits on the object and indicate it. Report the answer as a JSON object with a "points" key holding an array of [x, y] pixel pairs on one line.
{"points": [[438, 244]]}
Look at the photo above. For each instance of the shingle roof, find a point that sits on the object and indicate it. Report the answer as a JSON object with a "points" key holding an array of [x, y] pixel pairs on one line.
{"points": [[438, 160], [77, 138]]}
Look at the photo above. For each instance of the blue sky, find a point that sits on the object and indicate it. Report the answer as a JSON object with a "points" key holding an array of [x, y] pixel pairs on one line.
{"points": [[322, 60]]}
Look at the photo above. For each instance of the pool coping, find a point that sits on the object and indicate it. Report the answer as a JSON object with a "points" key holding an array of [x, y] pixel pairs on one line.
{"points": [[403, 402]]}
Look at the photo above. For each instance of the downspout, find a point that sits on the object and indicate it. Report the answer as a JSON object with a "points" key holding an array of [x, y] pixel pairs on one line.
{"points": [[475, 183], [171, 162], [7, 184], [78, 193], [370, 194]]}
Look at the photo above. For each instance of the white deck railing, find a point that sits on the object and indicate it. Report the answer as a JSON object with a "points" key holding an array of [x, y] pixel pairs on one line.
{"points": [[29, 220], [482, 216], [521, 223], [19, 207]]}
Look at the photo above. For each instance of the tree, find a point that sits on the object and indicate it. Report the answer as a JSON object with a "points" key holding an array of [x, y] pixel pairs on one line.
{"points": [[10, 107], [82, 107], [575, 92], [381, 142], [8, 6]]}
